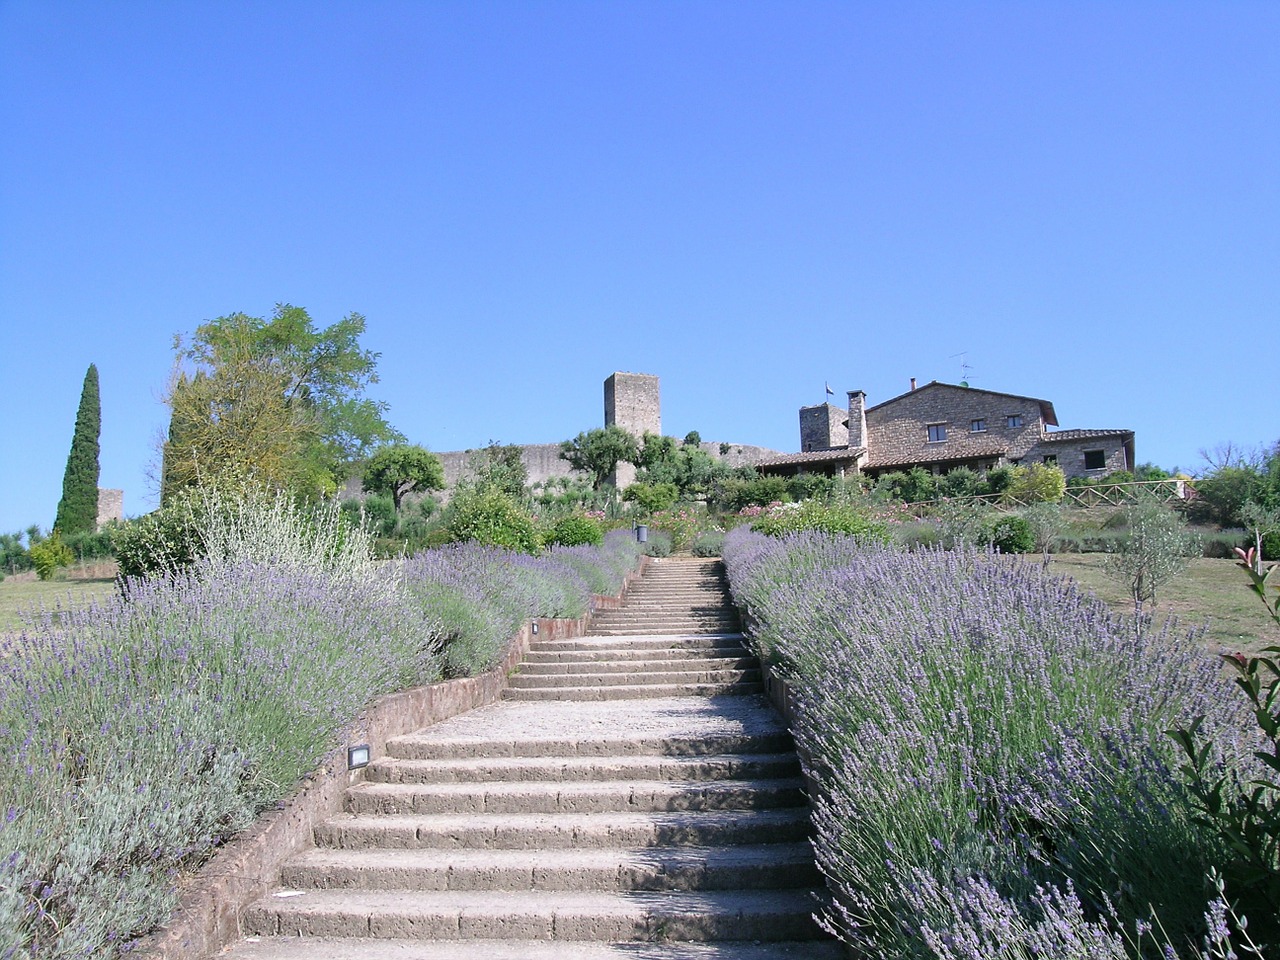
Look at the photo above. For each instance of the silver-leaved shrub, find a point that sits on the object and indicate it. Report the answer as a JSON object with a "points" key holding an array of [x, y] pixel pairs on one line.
{"points": [[143, 731], [989, 750]]}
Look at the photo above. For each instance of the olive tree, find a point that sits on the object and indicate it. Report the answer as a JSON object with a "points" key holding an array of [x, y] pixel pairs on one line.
{"points": [[1154, 550]]}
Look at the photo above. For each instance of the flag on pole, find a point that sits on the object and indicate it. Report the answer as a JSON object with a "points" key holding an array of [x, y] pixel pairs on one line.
{"points": [[830, 392]]}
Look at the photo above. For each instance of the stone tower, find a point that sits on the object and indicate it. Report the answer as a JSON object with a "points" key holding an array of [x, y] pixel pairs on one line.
{"points": [[632, 401], [824, 427]]}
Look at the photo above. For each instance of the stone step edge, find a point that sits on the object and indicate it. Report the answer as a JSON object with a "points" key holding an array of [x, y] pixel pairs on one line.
{"points": [[554, 831], [336, 948], [544, 915]]}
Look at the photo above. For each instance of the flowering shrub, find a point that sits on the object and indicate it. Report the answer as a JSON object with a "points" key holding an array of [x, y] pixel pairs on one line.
{"points": [[683, 525], [988, 749], [140, 732], [836, 517], [50, 555], [574, 531]]}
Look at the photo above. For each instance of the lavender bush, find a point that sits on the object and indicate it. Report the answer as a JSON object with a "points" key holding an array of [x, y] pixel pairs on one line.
{"points": [[142, 731], [983, 735]]}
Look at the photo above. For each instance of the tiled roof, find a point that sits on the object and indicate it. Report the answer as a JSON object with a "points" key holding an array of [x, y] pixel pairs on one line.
{"points": [[968, 452], [815, 456], [1064, 435]]}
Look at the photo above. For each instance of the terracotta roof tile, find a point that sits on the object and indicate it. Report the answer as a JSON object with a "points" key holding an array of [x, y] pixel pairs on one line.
{"points": [[1064, 435], [971, 451], [814, 456]]}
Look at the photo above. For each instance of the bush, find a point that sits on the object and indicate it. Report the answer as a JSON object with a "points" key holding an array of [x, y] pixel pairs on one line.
{"points": [[985, 741], [163, 542], [574, 531], [658, 544], [50, 555], [708, 544], [91, 546], [141, 732], [915, 486], [998, 479], [1047, 525], [836, 518], [961, 482], [652, 497], [1010, 533], [1036, 483], [682, 525], [491, 518]]}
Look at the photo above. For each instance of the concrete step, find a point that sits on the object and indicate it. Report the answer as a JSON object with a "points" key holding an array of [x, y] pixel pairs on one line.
{"points": [[634, 692], [536, 915], [729, 640], [605, 796], [365, 948], [541, 831], [604, 664], [766, 866], [621, 653], [423, 746], [728, 675], [648, 629], [737, 766]]}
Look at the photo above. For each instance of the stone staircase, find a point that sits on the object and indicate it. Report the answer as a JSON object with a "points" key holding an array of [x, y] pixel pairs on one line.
{"points": [[634, 796], [674, 597]]}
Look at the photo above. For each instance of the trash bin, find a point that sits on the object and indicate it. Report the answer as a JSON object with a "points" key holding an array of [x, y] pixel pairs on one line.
{"points": [[642, 533]]}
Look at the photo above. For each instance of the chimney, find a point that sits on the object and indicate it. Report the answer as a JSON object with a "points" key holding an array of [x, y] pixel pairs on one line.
{"points": [[913, 383], [857, 418]]}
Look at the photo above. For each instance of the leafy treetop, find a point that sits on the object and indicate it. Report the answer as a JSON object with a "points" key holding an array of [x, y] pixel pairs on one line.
{"points": [[403, 468]]}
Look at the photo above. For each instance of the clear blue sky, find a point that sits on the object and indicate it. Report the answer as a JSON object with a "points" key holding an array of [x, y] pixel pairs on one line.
{"points": [[747, 199]]}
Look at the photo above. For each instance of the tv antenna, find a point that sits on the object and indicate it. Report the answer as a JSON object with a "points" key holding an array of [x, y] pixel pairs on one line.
{"points": [[965, 368]]}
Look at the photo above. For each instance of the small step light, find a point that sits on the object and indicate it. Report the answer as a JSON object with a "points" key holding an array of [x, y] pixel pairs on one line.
{"points": [[358, 756], [535, 628]]}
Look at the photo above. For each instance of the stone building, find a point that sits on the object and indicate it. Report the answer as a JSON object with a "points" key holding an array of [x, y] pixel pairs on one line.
{"points": [[942, 426]]}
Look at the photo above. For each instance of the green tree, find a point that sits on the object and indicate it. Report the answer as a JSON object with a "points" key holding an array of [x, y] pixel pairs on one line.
{"points": [[403, 468], [664, 460], [599, 451], [78, 508], [499, 465], [316, 377], [1154, 550], [234, 425]]}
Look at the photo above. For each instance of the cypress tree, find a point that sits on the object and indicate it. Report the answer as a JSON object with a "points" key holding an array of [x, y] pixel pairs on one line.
{"points": [[78, 509]]}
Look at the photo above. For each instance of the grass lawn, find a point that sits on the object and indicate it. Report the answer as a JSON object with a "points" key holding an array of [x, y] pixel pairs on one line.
{"points": [[19, 595], [1208, 591]]}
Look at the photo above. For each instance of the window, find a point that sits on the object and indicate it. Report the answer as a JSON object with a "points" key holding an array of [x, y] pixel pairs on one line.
{"points": [[937, 432], [1013, 420], [977, 426], [1095, 459], [1051, 459]]}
